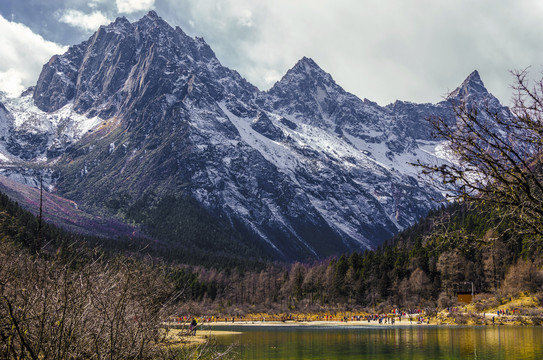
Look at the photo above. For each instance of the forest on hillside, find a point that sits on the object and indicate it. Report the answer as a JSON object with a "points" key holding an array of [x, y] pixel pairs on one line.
{"points": [[423, 267]]}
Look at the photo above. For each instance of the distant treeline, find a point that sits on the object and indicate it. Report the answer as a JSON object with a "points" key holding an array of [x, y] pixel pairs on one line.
{"points": [[454, 249]]}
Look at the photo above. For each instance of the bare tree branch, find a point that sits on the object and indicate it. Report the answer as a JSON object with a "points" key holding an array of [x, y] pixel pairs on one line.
{"points": [[496, 155]]}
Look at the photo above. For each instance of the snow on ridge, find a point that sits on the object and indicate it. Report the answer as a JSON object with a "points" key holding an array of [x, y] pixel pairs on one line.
{"points": [[274, 152], [426, 151], [65, 123], [285, 157]]}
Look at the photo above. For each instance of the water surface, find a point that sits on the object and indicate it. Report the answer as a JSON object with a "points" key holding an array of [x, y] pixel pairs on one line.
{"points": [[416, 342]]}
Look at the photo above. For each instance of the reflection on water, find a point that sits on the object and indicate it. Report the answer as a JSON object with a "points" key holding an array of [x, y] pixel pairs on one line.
{"points": [[422, 342]]}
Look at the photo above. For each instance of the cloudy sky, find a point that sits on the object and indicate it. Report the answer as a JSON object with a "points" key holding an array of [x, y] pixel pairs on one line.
{"points": [[383, 50]]}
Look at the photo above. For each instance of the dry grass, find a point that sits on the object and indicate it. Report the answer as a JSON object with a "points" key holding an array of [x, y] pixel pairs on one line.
{"points": [[180, 337]]}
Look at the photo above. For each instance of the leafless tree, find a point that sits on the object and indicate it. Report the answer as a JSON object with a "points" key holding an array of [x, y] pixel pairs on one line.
{"points": [[51, 308], [497, 154]]}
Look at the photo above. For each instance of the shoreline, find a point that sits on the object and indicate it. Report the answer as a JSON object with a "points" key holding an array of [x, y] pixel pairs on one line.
{"points": [[469, 320], [319, 323]]}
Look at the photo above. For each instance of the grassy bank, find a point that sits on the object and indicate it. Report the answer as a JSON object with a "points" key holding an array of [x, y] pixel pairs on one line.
{"points": [[486, 309]]}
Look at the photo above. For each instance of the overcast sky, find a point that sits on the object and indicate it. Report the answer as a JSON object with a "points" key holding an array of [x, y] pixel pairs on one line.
{"points": [[383, 50]]}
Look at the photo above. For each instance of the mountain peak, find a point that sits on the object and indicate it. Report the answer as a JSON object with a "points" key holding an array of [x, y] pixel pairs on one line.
{"points": [[151, 19], [120, 24], [121, 20], [153, 15], [306, 61], [306, 91], [474, 80], [308, 66], [305, 74], [472, 86]]}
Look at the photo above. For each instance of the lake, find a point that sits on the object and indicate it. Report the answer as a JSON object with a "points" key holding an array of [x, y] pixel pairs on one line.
{"points": [[387, 342]]}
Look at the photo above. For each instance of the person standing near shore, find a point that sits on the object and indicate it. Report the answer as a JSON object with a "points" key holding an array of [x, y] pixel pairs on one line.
{"points": [[192, 327]]}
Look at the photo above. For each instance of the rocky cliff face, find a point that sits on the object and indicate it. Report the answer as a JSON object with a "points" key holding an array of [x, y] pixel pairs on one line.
{"points": [[141, 111]]}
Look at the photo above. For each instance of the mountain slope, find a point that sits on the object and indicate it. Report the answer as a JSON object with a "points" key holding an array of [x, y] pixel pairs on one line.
{"points": [[305, 170], [57, 210]]}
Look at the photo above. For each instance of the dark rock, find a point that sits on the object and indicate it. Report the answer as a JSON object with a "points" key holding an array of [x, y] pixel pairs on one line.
{"points": [[288, 123], [263, 125]]}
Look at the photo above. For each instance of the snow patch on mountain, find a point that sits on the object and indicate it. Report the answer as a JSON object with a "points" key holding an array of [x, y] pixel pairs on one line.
{"points": [[61, 127], [275, 152]]}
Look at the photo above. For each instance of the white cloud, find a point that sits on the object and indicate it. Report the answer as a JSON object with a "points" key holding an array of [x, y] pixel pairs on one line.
{"points": [[384, 50], [95, 3], [130, 6], [11, 82], [380, 49], [272, 76], [23, 55], [87, 22], [245, 18]]}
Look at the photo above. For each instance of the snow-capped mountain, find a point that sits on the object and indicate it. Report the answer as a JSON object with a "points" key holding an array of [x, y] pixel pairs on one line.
{"points": [[142, 111]]}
